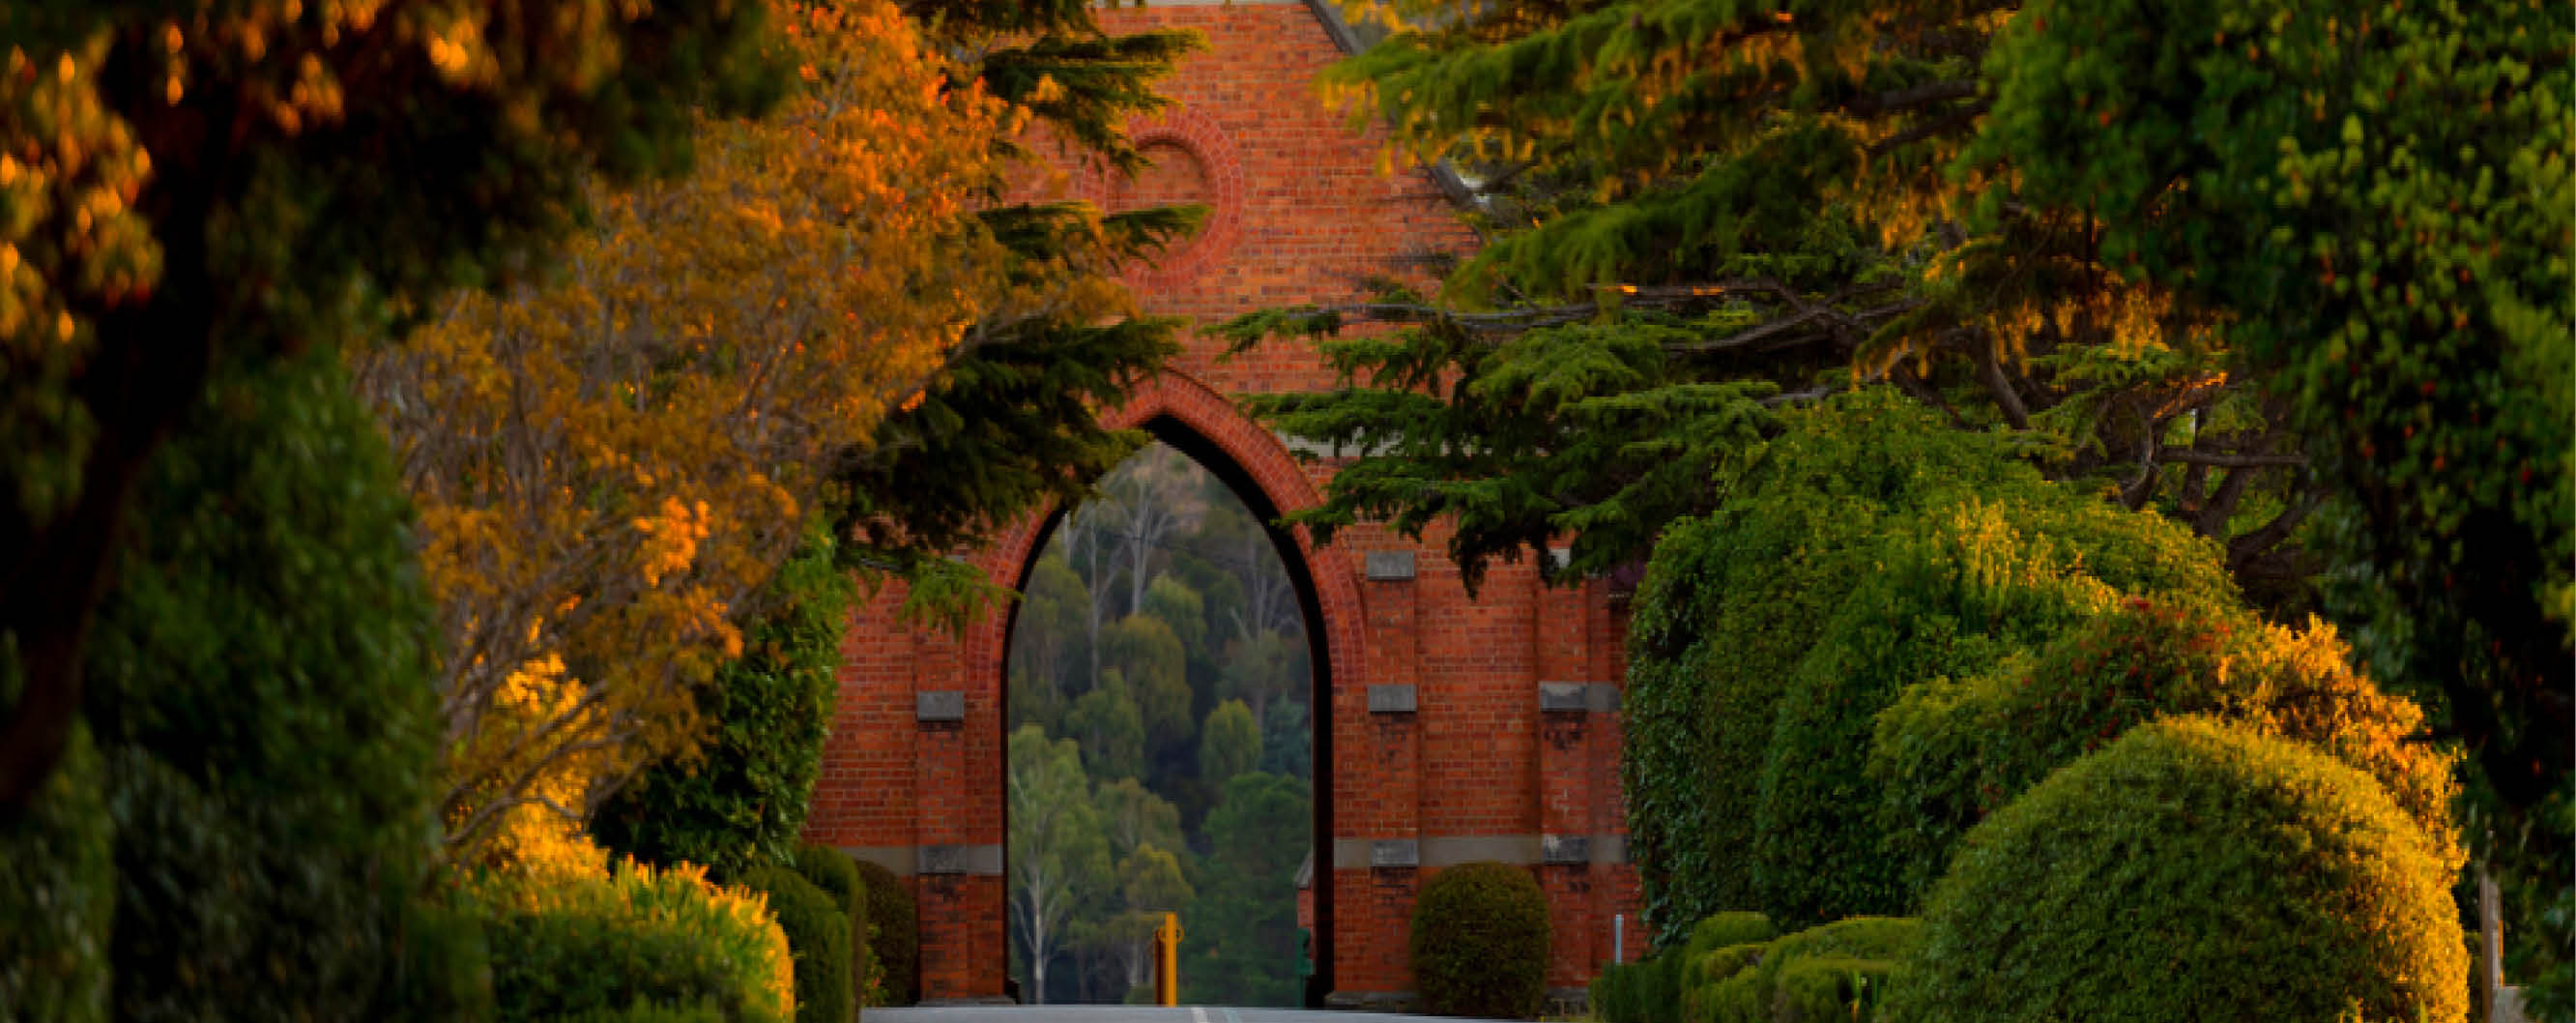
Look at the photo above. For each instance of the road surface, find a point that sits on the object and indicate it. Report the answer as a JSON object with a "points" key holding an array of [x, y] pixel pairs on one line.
{"points": [[1127, 1014]]}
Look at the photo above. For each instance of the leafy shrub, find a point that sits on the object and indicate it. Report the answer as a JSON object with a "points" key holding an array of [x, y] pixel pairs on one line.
{"points": [[818, 937], [58, 894], [260, 689], [1865, 549], [742, 796], [1618, 992], [2199, 870], [1946, 754], [1479, 942], [837, 875], [1958, 590], [1714, 942], [1835, 971], [1731, 602], [894, 932], [638, 937]]}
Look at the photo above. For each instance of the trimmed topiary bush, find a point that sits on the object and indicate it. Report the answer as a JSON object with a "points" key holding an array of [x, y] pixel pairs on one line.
{"points": [[2193, 870], [259, 686], [1479, 942], [637, 943], [1867, 548], [837, 875], [1948, 753], [894, 934], [1838, 971], [818, 936]]}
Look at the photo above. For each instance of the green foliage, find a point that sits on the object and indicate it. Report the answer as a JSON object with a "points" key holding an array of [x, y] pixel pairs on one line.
{"points": [[1638, 992], [894, 932], [1946, 754], [1835, 971], [1239, 943], [280, 234], [1148, 653], [1479, 942], [259, 689], [1287, 740], [1229, 743], [742, 795], [817, 925], [1955, 590], [1731, 602], [58, 892], [637, 938], [2194, 870], [1862, 550], [1109, 728], [837, 875], [2379, 194]]}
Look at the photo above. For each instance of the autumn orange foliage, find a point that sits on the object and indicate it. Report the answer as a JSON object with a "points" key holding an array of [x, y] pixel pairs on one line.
{"points": [[611, 462]]}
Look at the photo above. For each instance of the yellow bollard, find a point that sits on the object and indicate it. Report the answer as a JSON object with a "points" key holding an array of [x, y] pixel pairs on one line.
{"points": [[1167, 961]]}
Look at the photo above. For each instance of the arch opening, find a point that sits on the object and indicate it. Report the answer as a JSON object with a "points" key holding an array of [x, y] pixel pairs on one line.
{"points": [[1170, 661]]}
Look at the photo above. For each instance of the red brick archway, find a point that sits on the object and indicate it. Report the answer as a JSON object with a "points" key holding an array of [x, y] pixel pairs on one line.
{"points": [[1449, 729]]}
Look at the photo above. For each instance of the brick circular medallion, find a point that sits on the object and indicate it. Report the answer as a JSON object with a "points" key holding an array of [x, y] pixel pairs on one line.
{"points": [[1192, 162]]}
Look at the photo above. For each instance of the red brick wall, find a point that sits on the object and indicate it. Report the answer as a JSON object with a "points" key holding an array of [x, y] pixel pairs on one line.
{"points": [[1301, 213]]}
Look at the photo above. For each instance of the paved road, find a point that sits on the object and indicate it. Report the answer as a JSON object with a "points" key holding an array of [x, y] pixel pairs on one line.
{"points": [[1127, 1014]]}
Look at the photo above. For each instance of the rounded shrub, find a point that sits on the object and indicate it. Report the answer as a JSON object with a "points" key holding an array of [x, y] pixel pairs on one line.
{"points": [[837, 875], [260, 686], [2199, 870], [639, 943], [1947, 753], [1479, 942], [894, 933], [818, 936]]}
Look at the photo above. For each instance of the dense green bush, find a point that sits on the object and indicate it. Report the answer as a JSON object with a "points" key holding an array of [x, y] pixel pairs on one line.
{"points": [[1947, 753], [837, 875], [2193, 870], [817, 926], [1838, 971], [894, 934], [57, 893], [1958, 589], [1621, 992], [742, 796], [1865, 549], [1731, 602], [1479, 942], [259, 687], [637, 939]]}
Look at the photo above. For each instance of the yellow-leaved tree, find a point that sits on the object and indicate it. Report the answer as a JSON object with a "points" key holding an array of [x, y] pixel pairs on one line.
{"points": [[611, 461]]}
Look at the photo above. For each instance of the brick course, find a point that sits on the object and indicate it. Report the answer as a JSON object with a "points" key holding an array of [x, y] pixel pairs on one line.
{"points": [[1301, 214]]}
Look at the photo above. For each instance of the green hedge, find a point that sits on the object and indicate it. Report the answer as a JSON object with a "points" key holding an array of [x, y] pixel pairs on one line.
{"points": [[1733, 600], [1865, 549], [1479, 942], [742, 797], [58, 893], [260, 688], [894, 933], [2194, 870], [638, 939], [1948, 753], [1839, 971], [837, 875], [818, 935]]}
